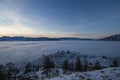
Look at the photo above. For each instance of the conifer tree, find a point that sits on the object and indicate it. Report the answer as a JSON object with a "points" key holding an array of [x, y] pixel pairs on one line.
{"points": [[28, 68], [72, 66], [86, 63], [78, 64], [65, 65], [52, 64], [97, 65], [115, 63], [10, 68], [3, 74], [48, 63]]}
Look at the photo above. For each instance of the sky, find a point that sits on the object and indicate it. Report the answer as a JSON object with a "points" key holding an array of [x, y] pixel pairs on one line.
{"points": [[59, 18]]}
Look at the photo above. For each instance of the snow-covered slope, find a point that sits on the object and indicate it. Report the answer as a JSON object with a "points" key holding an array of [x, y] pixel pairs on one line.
{"points": [[38, 70], [112, 38], [104, 74], [60, 57]]}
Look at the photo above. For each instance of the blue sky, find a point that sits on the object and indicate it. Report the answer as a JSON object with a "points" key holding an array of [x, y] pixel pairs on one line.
{"points": [[60, 18]]}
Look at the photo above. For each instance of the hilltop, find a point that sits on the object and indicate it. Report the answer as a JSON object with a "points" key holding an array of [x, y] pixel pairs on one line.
{"points": [[112, 38]]}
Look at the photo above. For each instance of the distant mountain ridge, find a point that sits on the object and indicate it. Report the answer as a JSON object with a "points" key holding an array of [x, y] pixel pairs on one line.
{"points": [[21, 38], [112, 38]]}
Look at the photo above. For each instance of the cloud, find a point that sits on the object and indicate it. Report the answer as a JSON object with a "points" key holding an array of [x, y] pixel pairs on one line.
{"points": [[19, 25], [16, 26]]}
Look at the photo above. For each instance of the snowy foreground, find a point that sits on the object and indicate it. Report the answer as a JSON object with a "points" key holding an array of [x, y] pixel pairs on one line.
{"points": [[104, 74], [64, 65]]}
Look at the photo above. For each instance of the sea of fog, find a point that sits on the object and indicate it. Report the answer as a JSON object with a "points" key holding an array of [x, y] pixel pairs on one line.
{"points": [[20, 51]]}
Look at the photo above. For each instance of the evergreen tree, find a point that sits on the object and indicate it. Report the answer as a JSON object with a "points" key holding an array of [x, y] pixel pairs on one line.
{"points": [[78, 64], [58, 51], [52, 64], [86, 63], [48, 63], [57, 72], [65, 65], [10, 70], [36, 68], [71, 67], [28, 68], [97, 65], [115, 63], [68, 51], [3, 74]]}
